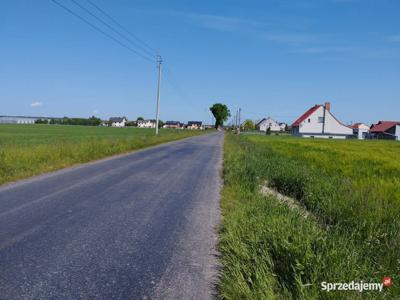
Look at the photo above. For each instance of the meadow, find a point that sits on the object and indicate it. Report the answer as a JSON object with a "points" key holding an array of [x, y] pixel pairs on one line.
{"points": [[351, 192], [27, 150]]}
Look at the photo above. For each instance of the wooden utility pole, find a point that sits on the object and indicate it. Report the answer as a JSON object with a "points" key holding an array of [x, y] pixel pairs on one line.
{"points": [[159, 61]]}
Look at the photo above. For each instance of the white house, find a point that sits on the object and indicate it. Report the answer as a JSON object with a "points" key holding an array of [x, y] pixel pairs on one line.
{"points": [[266, 123], [360, 130], [319, 122], [118, 122], [146, 123], [282, 126]]}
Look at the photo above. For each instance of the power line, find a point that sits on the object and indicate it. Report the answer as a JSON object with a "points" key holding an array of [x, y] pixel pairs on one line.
{"points": [[100, 30], [122, 27], [111, 27]]}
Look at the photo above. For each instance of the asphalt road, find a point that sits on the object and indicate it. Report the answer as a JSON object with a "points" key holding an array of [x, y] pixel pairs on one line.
{"points": [[136, 226]]}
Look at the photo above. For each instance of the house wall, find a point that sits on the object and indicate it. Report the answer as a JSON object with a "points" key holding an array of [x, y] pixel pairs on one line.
{"points": [[269, 123], [315, 124], [333, 126], [147, 125]]}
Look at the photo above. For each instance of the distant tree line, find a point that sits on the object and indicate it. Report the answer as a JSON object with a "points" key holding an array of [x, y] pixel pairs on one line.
{"points": [[92, 121]]}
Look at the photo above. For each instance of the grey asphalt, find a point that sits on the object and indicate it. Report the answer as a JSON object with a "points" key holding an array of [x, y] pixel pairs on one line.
{"points": [[135, 226]]}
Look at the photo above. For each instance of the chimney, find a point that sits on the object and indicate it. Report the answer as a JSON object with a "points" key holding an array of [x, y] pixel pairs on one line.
{"points": [[328, 106]]}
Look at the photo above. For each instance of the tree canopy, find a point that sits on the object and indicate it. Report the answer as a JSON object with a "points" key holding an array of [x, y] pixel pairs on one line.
{"points": [[248, 125], [221, 113]]}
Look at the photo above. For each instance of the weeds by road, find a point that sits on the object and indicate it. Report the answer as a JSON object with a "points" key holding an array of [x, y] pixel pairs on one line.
{"points": [[352, 190]]}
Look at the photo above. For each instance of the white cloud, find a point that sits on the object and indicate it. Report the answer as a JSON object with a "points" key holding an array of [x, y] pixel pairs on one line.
{"points": [[36, 104]]}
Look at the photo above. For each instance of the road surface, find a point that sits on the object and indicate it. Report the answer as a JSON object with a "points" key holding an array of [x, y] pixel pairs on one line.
{"points": [[136, 226]]}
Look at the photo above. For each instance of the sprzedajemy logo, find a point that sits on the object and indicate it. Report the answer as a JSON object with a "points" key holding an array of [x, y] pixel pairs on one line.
{"points": [[359, 286]]}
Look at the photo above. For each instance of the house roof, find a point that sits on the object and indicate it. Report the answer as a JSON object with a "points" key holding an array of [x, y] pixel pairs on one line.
{"points": [[355, 125], [383, 126], [305, 115], [358, 125], [259, 121], [198, 123], [172, 123], [117, 119], [145, 121]]}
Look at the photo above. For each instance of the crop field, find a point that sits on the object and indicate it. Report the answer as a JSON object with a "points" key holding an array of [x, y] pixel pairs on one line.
{"points": [[27, 150], [350, 191]]}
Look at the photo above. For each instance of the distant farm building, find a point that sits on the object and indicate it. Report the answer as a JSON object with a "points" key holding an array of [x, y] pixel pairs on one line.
{"points": [[360, 130], [266, 123], [389, 130], [146, 123], [194, 125], [118, 122], [173, 124], [319, 122], [20, 119]]}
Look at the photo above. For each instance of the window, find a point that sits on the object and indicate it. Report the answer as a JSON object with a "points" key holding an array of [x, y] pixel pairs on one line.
{"points": [[309, 120], [320, 119]]}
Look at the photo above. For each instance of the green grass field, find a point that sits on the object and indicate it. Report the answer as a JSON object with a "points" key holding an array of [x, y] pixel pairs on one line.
{"points": [[27, 150], [351, 190]]}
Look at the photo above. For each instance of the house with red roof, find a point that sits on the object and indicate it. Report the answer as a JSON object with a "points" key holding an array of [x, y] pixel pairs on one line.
{"points": [[319, 122], [389, 130]]}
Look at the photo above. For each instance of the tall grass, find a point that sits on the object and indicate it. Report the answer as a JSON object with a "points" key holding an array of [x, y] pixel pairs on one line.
{"points": [[27, 150], [352, 188]]}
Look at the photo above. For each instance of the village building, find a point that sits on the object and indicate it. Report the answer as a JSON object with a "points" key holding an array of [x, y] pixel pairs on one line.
{"points": [[194, 125], [319, 122], [282, 126], [118, 122], [389, 130], [146, 123], [173, 124], [20, 119], [360, 130], [266, 123]]}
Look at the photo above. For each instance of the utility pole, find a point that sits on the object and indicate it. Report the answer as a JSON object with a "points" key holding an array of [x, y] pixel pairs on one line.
{"points": [[239, 120], [159, 62]]}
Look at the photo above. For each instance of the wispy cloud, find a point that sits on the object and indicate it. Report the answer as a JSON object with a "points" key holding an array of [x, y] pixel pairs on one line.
{"points": [[221, 23], [291, 38], [394, 38], [323, 50], [261, 30], [36, 104]]}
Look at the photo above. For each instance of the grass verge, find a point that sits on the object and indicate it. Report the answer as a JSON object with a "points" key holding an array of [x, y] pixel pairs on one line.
{"points": [[352, 191], [27, 150]]}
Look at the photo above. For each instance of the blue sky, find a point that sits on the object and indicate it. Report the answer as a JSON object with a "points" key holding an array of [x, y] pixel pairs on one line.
{"points": [[271, 58]]}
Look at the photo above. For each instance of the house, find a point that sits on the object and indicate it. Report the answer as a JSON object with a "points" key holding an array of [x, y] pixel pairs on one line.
{"points": [[360, 130], [173, 124], [266, 123], [146, 123], [319, 122], [194, 125], [386, 130], [282, 126], [118, 122]]}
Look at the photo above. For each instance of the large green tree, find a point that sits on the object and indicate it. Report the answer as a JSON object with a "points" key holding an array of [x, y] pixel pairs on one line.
{"points": [[221, 113]]}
